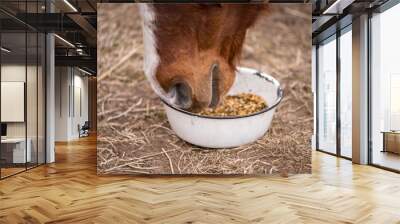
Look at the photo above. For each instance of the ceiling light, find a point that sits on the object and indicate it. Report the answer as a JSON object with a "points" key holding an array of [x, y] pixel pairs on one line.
{"points": [[70, 5], [337, 7], [84, 71], [80, 51], [65, 41], [329, 9], [5, 50]]}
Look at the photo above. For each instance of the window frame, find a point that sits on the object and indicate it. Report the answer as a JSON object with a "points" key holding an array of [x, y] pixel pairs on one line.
{"points": [[333, 37]]}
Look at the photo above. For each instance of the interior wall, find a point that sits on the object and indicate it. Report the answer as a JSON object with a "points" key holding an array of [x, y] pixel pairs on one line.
{"points": [[80, 117], [80, 102], [71, 87], [62, 80]]}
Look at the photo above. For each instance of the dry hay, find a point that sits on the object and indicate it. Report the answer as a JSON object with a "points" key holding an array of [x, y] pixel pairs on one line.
{"points": [[134, 136]]}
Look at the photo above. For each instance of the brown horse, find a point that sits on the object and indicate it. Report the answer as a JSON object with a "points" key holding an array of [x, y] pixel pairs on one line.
{"points": [[192, 50]]}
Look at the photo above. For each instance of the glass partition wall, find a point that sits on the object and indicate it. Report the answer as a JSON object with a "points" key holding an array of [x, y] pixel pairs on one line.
{"points": [[22, 98], [13, 89], [334, 93]]}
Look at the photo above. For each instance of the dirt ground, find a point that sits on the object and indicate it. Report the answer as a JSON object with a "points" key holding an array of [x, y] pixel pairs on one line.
{"points": [[134, 136]]}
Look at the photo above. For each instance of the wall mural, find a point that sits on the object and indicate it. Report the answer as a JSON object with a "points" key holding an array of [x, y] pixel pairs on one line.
{"points": [[204, 89]]}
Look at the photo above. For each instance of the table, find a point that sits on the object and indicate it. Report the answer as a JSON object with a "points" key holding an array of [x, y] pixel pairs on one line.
{"points": [[18, 150], [391, 141]]}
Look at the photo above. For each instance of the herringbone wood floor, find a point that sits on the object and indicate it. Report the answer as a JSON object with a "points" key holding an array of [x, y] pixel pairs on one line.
{"points": [[69, 191]]}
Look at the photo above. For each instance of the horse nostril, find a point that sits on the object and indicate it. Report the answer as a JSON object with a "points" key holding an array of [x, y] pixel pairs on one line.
{"points": [[215, 79], [183, 95]]}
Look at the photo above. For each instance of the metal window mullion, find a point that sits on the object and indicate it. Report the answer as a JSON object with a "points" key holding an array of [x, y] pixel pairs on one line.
{"points": [[338, 77], [26, 87], [369, 100], [316, 97], [37, 91], [45, 92]]}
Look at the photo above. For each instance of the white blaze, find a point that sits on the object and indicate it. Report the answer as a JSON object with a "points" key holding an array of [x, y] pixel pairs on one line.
{"points": [[151, 57]]}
